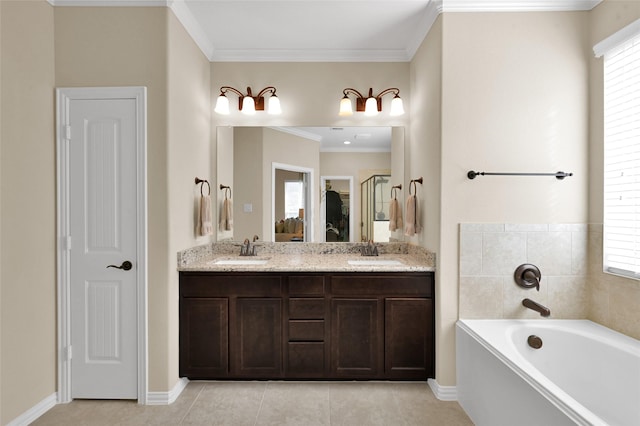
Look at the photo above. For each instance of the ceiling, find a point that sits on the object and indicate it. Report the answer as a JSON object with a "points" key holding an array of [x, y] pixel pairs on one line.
{"points": [[332, 139], [320, 30]]}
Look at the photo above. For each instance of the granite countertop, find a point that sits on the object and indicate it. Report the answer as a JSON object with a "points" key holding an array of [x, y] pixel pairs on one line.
{"points": [[307, 257]]}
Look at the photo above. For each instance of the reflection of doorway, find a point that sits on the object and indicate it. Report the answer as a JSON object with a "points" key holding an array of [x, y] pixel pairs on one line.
{"points": [[291, 203], [336, 209]]}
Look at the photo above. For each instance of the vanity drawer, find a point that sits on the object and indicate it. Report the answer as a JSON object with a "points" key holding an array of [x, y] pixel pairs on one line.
{"points": [[230, 284], [306, 308], [307, 330], [414, 285], [306, 285]]}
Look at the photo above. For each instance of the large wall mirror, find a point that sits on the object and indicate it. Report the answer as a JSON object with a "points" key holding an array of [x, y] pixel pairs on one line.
{"points": [[307, 183]]}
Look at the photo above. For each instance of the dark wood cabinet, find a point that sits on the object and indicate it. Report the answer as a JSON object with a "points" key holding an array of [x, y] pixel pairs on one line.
{"points": [[256, 344], [204, 337], [306, 325], [356, 344], [408, 337]]}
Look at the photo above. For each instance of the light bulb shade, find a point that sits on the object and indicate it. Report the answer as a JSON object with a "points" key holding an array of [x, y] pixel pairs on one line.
{"points": [[274, 106], [222, 105], [345, 107], [248, 105], [396, 106], [371, 107]]}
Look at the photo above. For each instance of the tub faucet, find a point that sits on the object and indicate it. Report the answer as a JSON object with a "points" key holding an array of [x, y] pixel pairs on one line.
{"points": [[543, 310]]}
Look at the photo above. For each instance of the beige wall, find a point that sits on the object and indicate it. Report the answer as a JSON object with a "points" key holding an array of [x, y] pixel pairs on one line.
{"points": [[123, 47], [148, 47], [189, 153], [523, 107], [614, 300], [27, 200], [247, 183], [422, 158]]}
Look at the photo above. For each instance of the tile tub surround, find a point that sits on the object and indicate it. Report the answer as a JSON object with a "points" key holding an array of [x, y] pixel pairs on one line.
{"points": [[490, 253], [307, 257], [614, 301]]}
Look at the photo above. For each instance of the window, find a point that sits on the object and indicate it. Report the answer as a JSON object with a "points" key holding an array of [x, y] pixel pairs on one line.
{"points": [[293, 198], [621, 244]]}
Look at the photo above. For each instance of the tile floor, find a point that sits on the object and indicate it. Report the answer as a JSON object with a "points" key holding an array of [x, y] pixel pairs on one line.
{"points": [[273, 403]]}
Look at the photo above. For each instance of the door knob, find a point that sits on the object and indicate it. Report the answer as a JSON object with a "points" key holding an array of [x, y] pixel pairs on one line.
{"points": [[126, 265]]}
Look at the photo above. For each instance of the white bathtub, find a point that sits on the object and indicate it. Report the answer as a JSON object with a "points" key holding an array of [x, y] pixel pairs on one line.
{"points": [[583, 374]]}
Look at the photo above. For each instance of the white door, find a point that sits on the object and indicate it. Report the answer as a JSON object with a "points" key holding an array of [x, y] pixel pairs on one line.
{"points": [[103, 230]]}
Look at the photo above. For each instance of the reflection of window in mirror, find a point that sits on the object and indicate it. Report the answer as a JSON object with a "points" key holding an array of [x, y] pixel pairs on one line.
{"points": [[293, 198]]}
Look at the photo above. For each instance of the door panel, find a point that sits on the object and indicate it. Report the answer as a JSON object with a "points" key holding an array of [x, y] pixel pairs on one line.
{"points": [[408, 337], [356, 327], [258, 344], [103, 228]]}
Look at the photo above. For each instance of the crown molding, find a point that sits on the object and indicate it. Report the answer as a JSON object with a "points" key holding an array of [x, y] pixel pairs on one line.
{"points": [[112, 3], [298, 132], [193, 28], [309, 55], [518, 5], [433, 9]]}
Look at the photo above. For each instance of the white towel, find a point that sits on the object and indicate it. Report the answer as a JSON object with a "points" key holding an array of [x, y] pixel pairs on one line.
{"points": [[412, 223], [206, 222], [226, 216], [395, 215]]}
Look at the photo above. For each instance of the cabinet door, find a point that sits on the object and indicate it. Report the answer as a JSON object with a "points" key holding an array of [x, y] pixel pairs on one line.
{"points": [[408, 338], [257, 342], [204, 338], [356, 338]]}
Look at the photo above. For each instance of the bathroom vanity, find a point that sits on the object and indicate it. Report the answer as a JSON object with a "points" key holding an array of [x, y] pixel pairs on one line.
{"points": [[298, 318]]}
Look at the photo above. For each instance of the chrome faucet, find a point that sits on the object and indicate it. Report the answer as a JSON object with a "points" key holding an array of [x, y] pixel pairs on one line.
{"points": [[542, 310], [246, 249], [369, 249]]}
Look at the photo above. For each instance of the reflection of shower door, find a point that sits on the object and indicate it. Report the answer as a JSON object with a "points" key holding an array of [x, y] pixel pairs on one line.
{"points": [[374, 205]]}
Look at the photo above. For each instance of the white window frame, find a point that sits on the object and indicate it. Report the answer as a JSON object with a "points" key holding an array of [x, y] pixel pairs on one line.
{"points": [[621, 194]]}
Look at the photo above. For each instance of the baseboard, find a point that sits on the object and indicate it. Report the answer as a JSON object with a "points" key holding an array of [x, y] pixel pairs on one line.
{"points": [[34, 412], [443, 393], [166, 398]]}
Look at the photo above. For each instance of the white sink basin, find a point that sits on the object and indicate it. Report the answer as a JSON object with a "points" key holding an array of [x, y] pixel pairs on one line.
{"points": [[240, 262], [375, 262]]}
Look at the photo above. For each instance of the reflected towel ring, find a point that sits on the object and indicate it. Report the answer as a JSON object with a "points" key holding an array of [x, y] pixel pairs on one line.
{"points": [[415, 189], [227, 191], [394, 190], [202, 182]]}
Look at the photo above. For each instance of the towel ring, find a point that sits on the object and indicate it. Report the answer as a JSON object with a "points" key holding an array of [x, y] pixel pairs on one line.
{"points": [[202, 182]]}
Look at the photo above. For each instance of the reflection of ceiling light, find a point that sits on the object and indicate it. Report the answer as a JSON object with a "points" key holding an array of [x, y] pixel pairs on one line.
{"points": [[347, 142]]}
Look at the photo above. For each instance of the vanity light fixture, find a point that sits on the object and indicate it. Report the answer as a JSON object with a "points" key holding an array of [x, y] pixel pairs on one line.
{"points": [[370, 104], [249, 103]]}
